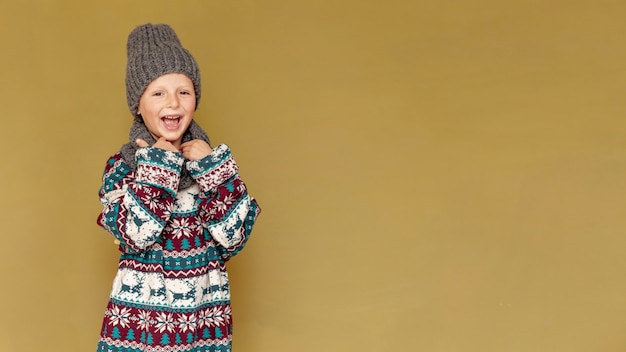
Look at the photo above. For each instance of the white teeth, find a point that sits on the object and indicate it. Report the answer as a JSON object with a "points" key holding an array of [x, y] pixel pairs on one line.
{"points": [[171, 117]]}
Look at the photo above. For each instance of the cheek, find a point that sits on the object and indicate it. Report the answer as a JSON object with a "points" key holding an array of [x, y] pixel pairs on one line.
{"points": [[148, 110]]}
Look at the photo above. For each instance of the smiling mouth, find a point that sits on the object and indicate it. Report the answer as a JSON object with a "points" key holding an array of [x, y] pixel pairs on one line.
{"points": [[171, 121]]}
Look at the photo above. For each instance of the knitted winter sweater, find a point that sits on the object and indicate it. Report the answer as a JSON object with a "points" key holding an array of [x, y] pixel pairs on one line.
{"points": [[171, 291]]}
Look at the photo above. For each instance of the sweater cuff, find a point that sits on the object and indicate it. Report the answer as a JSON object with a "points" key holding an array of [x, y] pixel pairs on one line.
{"points": [[214, 169], [159, 167]]}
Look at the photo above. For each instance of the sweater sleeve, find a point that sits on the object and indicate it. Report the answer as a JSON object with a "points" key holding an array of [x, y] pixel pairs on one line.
{"points": [[137, 205], [228, 212]]}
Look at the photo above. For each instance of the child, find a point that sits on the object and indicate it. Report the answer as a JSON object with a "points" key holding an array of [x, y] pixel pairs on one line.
{"points": [[177, 208]]}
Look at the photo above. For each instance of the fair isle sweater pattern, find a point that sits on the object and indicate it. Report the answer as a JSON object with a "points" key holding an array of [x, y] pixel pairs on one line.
{"points": [[171, 291]]}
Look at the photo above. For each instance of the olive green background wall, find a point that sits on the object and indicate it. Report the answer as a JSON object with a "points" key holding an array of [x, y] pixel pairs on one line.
{"points": [[434, 175]]}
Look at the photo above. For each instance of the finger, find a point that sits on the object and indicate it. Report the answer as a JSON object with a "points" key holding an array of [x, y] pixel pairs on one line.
{"points": [[163, 142], [141, 143], [188, 143]]}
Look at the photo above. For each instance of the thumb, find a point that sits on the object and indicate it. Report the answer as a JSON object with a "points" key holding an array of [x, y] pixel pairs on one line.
{"points": [[141, 143]]}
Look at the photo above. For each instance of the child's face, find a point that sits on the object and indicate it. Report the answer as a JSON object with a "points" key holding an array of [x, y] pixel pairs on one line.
{"points": [[167, 107]]}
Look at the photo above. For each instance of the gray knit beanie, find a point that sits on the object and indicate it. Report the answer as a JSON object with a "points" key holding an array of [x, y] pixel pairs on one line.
{"points": [[153, 51]]}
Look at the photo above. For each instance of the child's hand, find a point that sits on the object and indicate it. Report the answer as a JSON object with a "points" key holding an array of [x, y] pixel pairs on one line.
{"points": [[162, 143], [195, 149]]}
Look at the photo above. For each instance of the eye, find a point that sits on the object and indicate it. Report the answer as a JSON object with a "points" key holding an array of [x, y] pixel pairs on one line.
{"points": [[157, 94], [185, 92]]}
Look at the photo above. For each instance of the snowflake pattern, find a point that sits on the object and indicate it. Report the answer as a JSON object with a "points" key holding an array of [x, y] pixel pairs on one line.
{"points": [[202, 319], [120, 316], [164, 321], [181, 227], [144, 319], [187, 322], [215, 317], [150, 199], [222, 205]]}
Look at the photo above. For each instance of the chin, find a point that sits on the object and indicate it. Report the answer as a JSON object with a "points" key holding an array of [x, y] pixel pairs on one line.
{"points": [[169, 135]]}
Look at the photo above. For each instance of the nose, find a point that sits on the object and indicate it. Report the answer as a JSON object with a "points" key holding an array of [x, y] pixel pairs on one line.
{"points": [[172, 101]]}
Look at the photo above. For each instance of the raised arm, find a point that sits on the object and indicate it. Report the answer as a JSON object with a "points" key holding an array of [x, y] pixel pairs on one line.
{"points": [[228, 212], [137, 204]]}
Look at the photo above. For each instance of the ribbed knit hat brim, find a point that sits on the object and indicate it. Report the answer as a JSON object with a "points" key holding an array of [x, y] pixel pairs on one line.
{"points": [[154, 51]]}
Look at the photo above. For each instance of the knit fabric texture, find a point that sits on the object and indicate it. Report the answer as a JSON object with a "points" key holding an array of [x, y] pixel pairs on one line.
{"points": [[171, 292], [139, 130], [154, 50]]}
